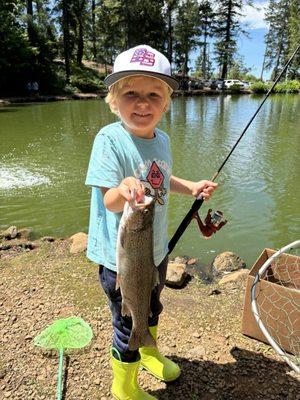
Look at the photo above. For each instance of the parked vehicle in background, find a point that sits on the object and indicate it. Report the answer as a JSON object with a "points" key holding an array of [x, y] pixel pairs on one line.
{"points": [[212, 85], [215, 83], [246, 84], [196, 84], [229, 83]]}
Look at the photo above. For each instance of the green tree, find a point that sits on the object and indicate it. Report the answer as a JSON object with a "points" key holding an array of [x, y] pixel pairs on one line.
{"points": [[122, 24], [238, 70], [207, 16], [79, 10], [169, 16], [186, 33], [227, 28], [201, 71], [277, 15], [294, 38], [66, 17]]}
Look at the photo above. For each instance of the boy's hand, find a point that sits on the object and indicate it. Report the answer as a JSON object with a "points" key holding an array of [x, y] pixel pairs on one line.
{"points": [[204, 189], [127, 185]]}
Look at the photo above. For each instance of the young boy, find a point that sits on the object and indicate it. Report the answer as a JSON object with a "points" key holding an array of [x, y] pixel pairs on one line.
{"points": [[133, 154]]}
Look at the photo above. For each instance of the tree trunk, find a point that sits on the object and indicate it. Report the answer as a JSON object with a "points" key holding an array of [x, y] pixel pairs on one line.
{"points": [[80, 42], [39, 9], [170, 34], [227, 39], [275, 70], [66, 35], [204, 61], [94, 30], [185, 65], [263, 65], [30, 28]]}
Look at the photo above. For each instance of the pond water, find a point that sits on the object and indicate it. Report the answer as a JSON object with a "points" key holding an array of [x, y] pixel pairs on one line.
{"points": [[45, 150]]}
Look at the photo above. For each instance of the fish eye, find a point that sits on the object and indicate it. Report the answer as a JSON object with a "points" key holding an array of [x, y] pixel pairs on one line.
{"points": [[146, 211]]}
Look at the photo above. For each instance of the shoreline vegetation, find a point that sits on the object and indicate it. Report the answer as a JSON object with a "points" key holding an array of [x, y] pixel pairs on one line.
{"points": [[259, 87]]}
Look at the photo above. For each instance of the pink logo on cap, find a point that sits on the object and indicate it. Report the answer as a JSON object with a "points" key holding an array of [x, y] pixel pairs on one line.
{"points": [[143, 57]]}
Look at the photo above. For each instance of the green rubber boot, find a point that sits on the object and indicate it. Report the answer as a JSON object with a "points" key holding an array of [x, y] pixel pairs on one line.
{"points": [[158, 365], [125, 386]]}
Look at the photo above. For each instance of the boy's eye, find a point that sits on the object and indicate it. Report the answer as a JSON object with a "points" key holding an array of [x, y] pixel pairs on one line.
{"points": [[130, 93], [153, 94]]}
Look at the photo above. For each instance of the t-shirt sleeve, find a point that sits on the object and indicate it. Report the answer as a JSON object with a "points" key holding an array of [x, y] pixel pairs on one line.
{"points": [[104, 167]]}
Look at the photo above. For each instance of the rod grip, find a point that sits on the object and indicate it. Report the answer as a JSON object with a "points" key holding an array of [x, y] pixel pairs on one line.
{"points": [[184, 224]]}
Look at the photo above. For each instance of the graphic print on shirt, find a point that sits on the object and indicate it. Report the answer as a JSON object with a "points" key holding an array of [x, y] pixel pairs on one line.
{"points": [[154, 184]]}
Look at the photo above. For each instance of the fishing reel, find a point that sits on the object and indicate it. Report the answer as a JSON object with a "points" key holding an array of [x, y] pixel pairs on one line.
{"points": [[213, 222]]}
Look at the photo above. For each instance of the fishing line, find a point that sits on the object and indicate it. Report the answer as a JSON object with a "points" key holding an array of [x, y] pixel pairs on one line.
{"points": [[198, 202]]}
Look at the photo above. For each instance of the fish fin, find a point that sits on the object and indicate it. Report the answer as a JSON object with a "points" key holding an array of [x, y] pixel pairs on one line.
{"points": [[155, 277], [139, 339], [118, 281], [122, 237], [125, 310]]}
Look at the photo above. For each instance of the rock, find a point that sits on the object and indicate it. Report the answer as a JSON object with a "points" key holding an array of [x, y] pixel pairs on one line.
{"points": [[234, 276], [24, 233], [2, 372], [227, 262], [5, 246], [176, 274], [214, 292], [78, 242], [48, 239], [9, 233], [181, 260], [192, 261]]}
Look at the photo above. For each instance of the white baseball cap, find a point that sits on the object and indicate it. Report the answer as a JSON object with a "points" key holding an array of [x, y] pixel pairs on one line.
{"points": [[142, 60]]}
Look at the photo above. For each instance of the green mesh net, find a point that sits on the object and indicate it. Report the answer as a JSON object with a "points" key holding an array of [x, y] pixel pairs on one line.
{"points": [[67, 333]]}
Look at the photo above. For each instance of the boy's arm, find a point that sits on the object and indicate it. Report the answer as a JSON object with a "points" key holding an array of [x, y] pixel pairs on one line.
{"points": [[204, 188], [115, 198]]}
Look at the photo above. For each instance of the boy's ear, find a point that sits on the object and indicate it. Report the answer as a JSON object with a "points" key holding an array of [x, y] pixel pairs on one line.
{"points": [[113, 105]]}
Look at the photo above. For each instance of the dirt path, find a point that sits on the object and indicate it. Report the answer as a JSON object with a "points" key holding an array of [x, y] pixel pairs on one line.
{"points": [[198, 330]]}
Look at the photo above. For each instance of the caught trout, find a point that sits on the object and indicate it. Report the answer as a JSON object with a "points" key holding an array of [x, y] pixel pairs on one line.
{"points": [[136, 272]]}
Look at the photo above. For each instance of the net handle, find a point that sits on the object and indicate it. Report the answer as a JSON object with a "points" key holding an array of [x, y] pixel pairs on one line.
{"points": [[254, 308]]}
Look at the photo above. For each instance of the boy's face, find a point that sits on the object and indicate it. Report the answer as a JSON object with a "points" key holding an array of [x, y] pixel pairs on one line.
{"points": [[141, 104]]}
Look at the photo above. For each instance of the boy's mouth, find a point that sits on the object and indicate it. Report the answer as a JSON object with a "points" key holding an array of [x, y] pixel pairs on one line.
{"points": [[142, 115]]}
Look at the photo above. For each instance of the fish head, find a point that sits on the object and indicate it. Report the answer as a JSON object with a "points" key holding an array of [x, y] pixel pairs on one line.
{"points": [[138, 215]]}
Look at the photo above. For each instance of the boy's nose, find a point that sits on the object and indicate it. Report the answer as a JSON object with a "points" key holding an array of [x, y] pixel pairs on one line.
{"points": [[142, 101]]}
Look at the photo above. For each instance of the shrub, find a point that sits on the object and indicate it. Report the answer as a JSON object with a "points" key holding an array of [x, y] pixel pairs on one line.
{"points": [[287, 87], [281, 87], [235, 88], [259, 87], [85, 79]]}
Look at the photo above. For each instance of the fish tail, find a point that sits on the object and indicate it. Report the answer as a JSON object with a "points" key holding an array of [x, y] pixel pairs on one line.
{"points": [[139, 339]]}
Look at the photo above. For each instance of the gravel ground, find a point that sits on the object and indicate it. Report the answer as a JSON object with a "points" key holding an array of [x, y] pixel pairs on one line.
{"points": [[198, 329]]}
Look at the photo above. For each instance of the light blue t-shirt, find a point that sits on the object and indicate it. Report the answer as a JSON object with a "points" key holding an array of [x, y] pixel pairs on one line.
{"points": [[117, 154]]}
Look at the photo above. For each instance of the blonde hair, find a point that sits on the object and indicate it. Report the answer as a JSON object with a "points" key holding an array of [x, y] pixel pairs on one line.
{"points": [[115, 89]]}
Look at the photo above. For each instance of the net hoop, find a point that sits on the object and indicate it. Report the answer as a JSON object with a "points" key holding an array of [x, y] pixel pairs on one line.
{"points": [[262, 270]]}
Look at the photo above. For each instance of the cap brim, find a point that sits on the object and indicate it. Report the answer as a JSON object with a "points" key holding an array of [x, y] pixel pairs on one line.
{"points": [[117, 76]]}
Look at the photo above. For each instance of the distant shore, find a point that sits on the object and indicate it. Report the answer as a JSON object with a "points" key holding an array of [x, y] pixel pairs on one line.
{"points": [[100, 95]]}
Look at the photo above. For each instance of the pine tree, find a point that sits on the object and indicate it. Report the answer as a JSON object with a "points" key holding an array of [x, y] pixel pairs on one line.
{"points": [[294, 38], [207, 16], [277, 15], [186, 33], [227, 28], [169, 16]]}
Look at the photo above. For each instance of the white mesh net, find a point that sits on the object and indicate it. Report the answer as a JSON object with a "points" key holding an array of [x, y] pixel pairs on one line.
{"points": [[276, 303]]}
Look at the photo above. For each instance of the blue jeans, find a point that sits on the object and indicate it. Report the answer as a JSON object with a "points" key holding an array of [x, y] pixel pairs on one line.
{"points": [[122, 325]]}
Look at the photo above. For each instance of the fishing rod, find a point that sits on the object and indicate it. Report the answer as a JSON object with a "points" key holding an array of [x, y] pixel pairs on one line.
{"points": [[193, 213]]}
